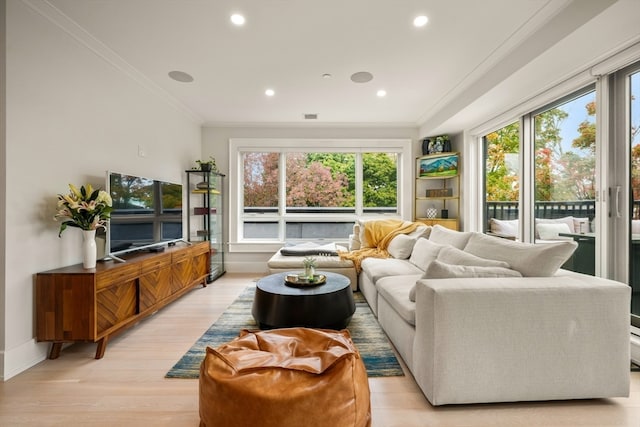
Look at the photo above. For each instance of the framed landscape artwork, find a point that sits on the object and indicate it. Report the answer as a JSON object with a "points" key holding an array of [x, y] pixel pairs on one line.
{"points": [[439, 165]]}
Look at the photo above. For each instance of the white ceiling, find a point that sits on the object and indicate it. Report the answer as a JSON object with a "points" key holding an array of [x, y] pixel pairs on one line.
{"points": [[468, 48]]}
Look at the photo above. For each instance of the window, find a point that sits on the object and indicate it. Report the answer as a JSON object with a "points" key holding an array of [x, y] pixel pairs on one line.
{"points": [[502, 179], [288, 193], [565, 161]]}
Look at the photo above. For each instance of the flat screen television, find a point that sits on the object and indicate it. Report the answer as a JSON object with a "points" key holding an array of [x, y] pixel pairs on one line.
{"points": [[147, 213]]}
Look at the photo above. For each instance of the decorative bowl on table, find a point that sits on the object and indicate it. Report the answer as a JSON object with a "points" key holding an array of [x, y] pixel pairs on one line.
{"points": [[301, 281]]}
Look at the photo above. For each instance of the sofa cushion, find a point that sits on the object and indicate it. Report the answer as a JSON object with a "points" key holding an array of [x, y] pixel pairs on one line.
{"points": [[552, 231], [424, 252], [376, 268], [564, 220], [441, 270], [365, 239], [451, 255], [504, 227], [395, 290], [534, 260], [444, 236], [401, 246]]}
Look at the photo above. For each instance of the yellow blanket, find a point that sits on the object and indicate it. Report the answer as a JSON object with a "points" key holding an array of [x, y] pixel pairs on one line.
{"points": [[378, 234]]}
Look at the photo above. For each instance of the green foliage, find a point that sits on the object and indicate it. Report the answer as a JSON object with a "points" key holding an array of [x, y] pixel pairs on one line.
{"points": [[380, 178], [559, 175], [502, 181], [320, 179]]}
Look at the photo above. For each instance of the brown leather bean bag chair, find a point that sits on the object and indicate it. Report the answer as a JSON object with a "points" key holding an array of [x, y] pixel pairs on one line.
{"points": [[295, 377]]}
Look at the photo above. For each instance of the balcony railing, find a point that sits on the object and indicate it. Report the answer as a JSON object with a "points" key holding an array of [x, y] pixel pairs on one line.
{"points": [[549, 210]]}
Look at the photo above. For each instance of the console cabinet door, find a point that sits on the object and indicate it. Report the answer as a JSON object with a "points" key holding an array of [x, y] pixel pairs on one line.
{"points": [[201, 254], [155, 281], [182, 270], [116, 296], [115, 305]]}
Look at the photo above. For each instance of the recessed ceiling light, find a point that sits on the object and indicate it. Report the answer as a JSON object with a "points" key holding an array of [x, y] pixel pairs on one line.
{"points": [[420, 21], [326, 76], [237, 19], [381, 93], [361, 77], [269, 92], [180, 76]]}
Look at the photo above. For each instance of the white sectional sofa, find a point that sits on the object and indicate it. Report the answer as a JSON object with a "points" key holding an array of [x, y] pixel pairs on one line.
{"points": [[482, 319]]}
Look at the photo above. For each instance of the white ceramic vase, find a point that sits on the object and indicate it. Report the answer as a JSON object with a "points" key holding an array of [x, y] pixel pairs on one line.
{"points": [[89, 251]]}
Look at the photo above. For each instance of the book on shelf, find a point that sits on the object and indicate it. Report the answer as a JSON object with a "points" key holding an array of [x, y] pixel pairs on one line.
{"points": [[204, 211], [439, 192], [205, 191]]}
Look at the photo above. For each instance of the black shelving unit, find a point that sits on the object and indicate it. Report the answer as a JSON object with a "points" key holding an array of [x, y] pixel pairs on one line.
{"points": [[205, 215]]}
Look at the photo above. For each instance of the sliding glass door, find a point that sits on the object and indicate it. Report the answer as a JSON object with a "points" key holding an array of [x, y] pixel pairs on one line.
{"points": [[564, 143], [625, 189], [540, 177]]}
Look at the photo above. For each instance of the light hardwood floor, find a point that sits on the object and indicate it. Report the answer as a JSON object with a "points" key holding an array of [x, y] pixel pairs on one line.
{"points": [[127, 387]]}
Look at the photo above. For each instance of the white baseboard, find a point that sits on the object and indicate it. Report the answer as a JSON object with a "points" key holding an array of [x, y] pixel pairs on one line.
{"points": [[23, 357], [246, 267]]}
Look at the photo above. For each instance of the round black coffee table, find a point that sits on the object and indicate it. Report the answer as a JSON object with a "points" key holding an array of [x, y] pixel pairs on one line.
{"points": [[326, 306]]}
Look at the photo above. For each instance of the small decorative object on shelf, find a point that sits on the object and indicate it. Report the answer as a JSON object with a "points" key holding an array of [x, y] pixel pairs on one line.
{"points": [[436, 145], [207, 165], [88, 210], [432, 212], [309, 266], [439, 192]]}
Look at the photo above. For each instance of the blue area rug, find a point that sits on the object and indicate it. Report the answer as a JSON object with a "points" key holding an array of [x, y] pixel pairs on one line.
{"points": [[374, 346]]}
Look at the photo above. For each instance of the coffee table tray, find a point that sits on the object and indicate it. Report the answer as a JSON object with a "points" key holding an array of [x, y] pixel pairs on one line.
{"points": [[300, 281]]}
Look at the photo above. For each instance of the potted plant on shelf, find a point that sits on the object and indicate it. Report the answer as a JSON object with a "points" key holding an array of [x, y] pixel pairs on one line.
{"points": [[207, 165]]}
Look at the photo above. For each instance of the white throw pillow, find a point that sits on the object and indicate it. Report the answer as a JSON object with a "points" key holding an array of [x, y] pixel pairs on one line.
{"points": [[354, 239], [454, 256], [531, 260], [364, 243], [551, 231], [565, 220], [441, 270], [444, 236], [421, 231], [401, 246], [424, 252], [504, 227]]}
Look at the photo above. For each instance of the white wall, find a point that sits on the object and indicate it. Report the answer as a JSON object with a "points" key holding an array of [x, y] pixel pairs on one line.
{"points": [[215, 142], [71, 115]]}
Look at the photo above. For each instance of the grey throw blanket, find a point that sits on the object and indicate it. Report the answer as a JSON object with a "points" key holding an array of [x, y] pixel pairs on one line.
{"points": [[309, 249]]}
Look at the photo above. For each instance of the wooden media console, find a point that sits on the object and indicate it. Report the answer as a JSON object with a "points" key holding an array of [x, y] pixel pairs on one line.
{"points": [[76, 304]]}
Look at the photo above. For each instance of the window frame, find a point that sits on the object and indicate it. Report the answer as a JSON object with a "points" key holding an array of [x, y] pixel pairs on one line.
{"points": [[239, 146]]}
